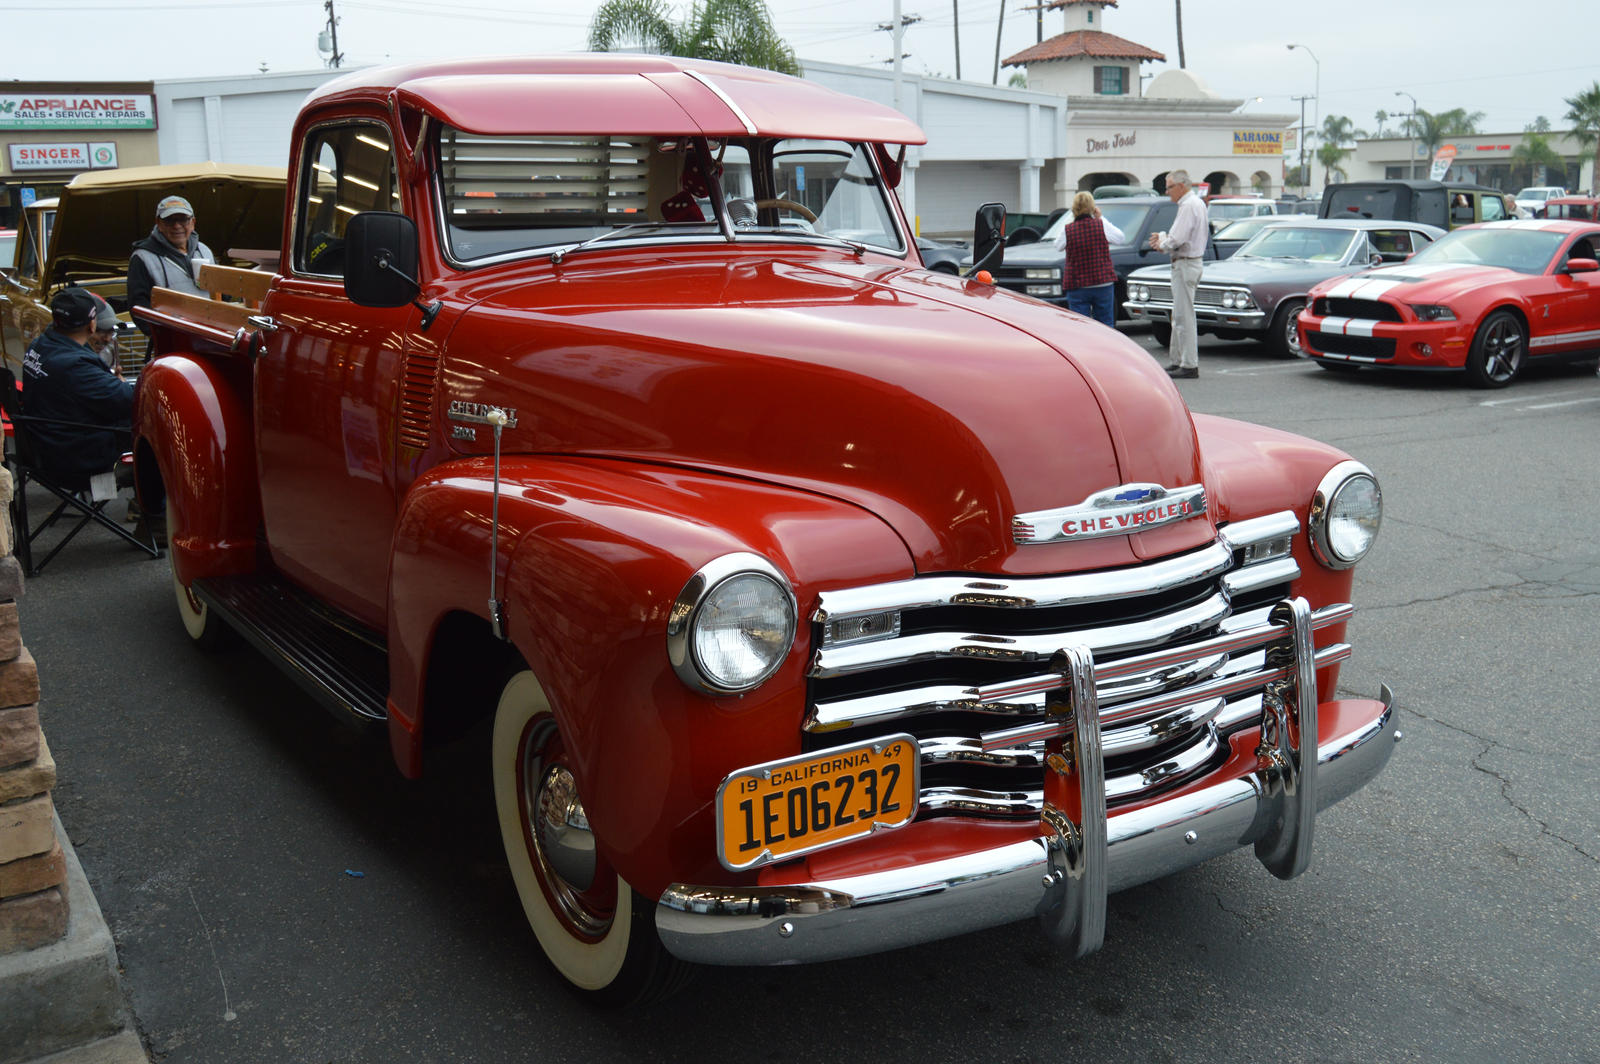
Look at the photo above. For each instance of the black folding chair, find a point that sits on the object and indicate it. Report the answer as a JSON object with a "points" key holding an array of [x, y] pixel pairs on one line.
{"points": [[72, 494]]}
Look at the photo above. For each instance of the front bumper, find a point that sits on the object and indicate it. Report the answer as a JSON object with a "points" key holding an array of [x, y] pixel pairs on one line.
{"points": [[883, 910], [1407, 344], [1206, 317]]}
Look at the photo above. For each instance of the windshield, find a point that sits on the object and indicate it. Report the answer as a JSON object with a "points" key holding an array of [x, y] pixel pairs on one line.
{"points": [[508, 195], [1243, 229], [1313, 243], [1224, 211], [1523, 250]]}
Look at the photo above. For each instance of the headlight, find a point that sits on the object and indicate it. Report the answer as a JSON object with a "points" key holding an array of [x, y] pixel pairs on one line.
{"points": [[1228, 299], [1140, 294], [1433, 312], [1345, 514], [732, 625], [1041, 275]]}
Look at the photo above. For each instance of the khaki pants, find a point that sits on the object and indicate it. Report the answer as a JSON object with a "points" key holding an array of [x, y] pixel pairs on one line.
{"points": [[1185, 346]]}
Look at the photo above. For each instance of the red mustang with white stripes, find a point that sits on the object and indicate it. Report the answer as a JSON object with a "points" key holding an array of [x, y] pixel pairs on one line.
{"points": [[1485, 299]]}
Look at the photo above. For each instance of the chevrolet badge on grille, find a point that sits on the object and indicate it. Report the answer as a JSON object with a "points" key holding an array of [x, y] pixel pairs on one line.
{"points": [[1115, 511]]}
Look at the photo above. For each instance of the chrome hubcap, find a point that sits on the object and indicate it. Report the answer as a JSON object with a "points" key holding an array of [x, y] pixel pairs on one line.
{"points": [[563, 829], [558, 835]]}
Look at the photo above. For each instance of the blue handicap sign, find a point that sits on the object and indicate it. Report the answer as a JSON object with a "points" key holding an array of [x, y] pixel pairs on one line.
{"points": [[28, 196]]}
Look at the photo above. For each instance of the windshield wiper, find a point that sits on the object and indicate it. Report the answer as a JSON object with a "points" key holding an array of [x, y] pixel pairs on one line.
{"points": [[808, 234], [557, 256]]}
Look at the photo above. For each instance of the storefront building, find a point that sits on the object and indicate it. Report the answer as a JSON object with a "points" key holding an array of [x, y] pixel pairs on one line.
{"points": [[1121, 133], [55, 130], [1484, 159]]}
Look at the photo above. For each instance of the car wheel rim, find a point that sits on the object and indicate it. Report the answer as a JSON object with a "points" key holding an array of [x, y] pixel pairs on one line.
{"points": [[1502, 349], [580, 889], [1291, 332]]}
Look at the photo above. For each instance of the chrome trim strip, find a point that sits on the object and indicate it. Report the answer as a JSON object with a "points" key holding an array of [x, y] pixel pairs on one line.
{"points": [[916, 702], [738, 112], [1261, 574], [1074, 908], [1230, 642], [866, 657], [1232, 685], [1254, 529], [857, 915], [1026, 592]]}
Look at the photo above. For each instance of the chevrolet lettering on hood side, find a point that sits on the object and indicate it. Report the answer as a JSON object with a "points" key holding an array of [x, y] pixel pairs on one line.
{"points": [[812, 602]]}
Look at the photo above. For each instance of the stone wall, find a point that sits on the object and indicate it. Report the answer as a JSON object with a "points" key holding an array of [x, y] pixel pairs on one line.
{"points": [[33, 893]]}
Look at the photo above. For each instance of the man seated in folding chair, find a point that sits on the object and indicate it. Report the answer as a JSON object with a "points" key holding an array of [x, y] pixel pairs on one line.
{"points": [[74, 420]]}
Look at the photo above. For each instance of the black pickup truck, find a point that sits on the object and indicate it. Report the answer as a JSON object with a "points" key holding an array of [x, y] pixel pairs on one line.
{"points": [[1034, 269]]}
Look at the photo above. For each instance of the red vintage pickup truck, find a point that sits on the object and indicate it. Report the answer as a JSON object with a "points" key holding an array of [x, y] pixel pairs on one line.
{"points": [[816, 603]]}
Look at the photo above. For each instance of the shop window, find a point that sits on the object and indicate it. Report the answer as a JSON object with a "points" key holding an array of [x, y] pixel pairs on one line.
{"points": [[1111, 80]]}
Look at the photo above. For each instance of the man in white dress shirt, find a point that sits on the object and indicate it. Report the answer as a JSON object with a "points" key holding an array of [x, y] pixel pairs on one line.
{"points": [[1186, 243]]}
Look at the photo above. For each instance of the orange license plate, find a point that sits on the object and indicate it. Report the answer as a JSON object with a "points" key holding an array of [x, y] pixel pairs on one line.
{"points": [[782, 809]]}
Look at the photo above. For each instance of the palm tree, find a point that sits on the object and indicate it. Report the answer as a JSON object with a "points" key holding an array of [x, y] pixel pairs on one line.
{"points": [[1178, 10], [1538, 156], [1382, 116], [1336, 132], [1432, 130], [729, 31], [1583, 111]]}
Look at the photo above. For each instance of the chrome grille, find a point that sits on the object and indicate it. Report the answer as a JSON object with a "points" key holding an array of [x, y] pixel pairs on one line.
{"points": [[1162, 293], [1178, 648]]}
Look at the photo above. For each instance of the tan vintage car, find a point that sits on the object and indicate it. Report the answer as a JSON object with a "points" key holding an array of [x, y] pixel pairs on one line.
{"points": [[86, 235]]}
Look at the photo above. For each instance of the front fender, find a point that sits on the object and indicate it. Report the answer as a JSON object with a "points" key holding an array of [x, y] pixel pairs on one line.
{"points": [[192, 418], [592, 555]]}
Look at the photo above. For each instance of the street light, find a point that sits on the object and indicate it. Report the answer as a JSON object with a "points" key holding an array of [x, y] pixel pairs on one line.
{"points": [[1316, 96], [1411, 143]]}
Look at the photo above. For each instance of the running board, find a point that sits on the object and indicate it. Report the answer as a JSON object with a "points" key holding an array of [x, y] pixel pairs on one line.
{"points": [[341, 664]]}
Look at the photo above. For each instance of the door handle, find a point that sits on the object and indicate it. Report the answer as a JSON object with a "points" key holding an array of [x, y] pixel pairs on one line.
{"points": [[263, 322]]}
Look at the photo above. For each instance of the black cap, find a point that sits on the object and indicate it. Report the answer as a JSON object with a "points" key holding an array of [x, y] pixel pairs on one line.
{"points": [[73, 308]]}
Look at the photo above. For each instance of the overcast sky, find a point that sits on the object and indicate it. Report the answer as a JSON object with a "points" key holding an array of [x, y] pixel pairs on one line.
{"points": [[1513, 62]]}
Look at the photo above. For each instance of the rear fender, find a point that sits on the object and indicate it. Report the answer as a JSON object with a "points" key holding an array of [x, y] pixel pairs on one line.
{"points": [[193, 424], [592, 556]]}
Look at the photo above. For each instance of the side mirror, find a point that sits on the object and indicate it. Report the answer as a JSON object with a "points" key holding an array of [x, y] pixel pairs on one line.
{"points": [[380, 263], [1374, 259], [1581, 266], [988, 237]]}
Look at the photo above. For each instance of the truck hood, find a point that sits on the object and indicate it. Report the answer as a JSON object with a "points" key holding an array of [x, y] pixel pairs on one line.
{"points": [[945, 407]]}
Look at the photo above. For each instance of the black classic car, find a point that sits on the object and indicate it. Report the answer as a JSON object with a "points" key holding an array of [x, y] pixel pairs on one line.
{"points": [[1260, 291]]}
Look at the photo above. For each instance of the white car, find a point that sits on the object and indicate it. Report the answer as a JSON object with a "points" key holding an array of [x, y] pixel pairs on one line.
{"points": [[1532, 199], [1224, 209]]}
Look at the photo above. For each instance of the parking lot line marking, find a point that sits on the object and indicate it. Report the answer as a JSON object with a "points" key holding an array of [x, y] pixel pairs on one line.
{"points": [[1569, 402], [1519, 400], [1251, 371]]}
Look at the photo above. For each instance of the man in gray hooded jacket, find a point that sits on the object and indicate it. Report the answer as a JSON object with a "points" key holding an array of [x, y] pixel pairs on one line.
{"points": [[171, 256]]}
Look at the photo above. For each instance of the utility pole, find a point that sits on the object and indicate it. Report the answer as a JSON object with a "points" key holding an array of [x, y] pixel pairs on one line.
{"points": [[1303, 174], [955, 19], [333, 36], [897, 29]]}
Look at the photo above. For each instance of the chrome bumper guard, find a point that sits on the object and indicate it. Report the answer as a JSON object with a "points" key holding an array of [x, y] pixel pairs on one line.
{"points": [[1064, 875]]}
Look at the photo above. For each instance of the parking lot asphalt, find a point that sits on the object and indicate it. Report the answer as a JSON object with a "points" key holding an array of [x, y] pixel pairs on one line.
{"points": [[278, 893]]}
